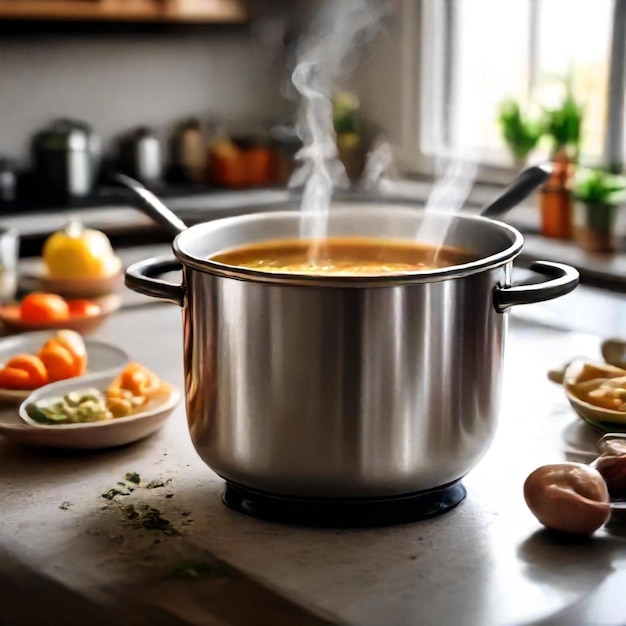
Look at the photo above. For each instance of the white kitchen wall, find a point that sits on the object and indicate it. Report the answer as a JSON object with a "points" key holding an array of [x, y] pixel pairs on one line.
{"points": [[387, 81], [119, 82]]}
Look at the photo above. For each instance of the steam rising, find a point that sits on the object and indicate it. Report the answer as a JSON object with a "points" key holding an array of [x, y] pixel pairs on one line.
{"points": [[447, 196], [339, 28], [325, 55]]}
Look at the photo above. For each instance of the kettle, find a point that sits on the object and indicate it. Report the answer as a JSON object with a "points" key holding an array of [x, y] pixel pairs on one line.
{"points": [[67, 158], [140, 155]]}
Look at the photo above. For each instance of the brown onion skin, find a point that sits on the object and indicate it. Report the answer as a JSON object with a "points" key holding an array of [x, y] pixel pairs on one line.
{"points": [[569, 497]]}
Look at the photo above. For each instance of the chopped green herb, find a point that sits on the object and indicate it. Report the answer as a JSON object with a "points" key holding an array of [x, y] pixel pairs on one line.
{"points": [[132, 477], [140, 515], [109, 494], [65, 506], [145, 516], [200, 569]]}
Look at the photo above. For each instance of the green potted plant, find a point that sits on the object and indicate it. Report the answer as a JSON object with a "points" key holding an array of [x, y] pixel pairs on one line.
{"points": [[520, 132], [351, 134], [598, 197], [562, 125]]}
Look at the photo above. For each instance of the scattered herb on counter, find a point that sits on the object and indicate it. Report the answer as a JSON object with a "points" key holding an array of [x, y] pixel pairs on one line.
{"points": [[140, 515], [133, 477], [109, 494], [65, 506], [154, 484], [145, 516], [199, 569]]}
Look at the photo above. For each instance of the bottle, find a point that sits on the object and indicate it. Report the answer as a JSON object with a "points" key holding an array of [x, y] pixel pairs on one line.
{"points": [[191, 148]]}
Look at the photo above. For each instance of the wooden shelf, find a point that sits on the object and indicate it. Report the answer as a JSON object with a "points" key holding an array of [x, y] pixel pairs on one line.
{"points": [[181, 11]]}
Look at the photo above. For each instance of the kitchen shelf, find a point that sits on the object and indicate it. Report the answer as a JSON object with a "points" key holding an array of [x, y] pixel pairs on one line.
{"points": [[158, 11]]}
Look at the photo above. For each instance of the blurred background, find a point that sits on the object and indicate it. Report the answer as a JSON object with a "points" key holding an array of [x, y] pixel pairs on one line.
{"points": [[194, 98]]}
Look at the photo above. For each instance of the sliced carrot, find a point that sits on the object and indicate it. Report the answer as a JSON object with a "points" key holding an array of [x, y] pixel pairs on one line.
{"points": [[74, 344], [13, 378], [59, 361], [33, 366]]}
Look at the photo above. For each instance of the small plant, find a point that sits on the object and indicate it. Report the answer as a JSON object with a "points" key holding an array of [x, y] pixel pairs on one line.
{"points": [[601, 194], [345, 113], [599, 188], [521, 134], [563, 125]]}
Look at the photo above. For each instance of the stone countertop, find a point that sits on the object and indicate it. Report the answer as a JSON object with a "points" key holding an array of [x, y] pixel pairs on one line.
{"points": [[486, 562]]}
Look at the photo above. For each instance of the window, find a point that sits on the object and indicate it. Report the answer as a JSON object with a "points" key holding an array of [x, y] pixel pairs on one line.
{"points": [[476, 53]]}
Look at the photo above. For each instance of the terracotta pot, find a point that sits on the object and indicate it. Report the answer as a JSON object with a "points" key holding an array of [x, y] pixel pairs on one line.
{"points": [[555, 201], [556, 212]]}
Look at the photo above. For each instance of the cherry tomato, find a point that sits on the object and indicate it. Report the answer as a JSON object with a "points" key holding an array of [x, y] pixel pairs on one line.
{"points": [[83, 308], [43, 307]]}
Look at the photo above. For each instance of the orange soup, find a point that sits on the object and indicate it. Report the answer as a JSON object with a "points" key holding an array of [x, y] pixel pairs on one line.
{"points": [[353, 256]]}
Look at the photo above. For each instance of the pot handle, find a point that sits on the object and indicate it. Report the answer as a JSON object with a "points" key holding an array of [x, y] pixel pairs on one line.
{"points": [[140, 278], [563, 279]]}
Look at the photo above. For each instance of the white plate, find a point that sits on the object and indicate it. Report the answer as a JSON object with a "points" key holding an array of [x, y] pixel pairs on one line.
{"points": [[22, 429], [101, 357]]}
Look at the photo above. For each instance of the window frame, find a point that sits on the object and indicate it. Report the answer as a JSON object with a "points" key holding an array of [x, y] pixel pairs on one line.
{"points": [[424, 53]]}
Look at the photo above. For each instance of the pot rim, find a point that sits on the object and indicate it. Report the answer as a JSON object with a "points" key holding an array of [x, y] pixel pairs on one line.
{"points": [[208, 266]]}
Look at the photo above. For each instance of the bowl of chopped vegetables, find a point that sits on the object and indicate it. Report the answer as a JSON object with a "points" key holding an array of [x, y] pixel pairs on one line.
{"points": [[99, 410]]}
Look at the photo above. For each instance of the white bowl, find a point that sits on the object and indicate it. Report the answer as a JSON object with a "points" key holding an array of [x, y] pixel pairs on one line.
{"points": [[101, 357], [93, 435], [76, 287], [591, 413]]}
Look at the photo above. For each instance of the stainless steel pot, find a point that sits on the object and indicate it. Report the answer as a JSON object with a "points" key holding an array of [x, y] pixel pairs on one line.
{"points": [[344, 387]]}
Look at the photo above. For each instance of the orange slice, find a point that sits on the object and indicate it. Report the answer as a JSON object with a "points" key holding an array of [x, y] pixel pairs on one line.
{"points": [[33, 366]]}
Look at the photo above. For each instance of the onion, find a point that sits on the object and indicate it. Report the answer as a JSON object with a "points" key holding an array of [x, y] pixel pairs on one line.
{"points": [[570, 497]]}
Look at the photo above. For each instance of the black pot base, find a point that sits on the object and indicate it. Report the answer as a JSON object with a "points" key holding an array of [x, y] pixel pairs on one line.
{"points": [[344, 513]]}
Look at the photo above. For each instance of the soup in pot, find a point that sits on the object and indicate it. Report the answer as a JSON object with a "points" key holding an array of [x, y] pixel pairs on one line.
{"points": [[350, 256]]}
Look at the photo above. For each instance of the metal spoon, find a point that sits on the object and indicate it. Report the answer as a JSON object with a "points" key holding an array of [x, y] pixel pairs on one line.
{"points": [[523, 185], [152, 206]]}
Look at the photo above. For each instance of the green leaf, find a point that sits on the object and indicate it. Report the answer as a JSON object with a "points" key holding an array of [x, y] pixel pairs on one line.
{"points": [[595, 187], [520, 133], [132, 477], [564, 123]]}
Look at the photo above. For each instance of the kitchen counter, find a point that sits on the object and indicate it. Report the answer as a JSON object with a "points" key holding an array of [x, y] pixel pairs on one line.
{"points": [[128, 226], [66, 557]]}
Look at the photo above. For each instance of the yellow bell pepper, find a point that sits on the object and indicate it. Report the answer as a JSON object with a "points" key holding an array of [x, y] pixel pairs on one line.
{"points": [[79, 253]]}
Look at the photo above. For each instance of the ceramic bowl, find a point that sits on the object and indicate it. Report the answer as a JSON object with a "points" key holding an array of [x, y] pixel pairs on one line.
{"points": [[604, 419], [82, 287], [38, 280], [94, 435], [83, 324]]}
